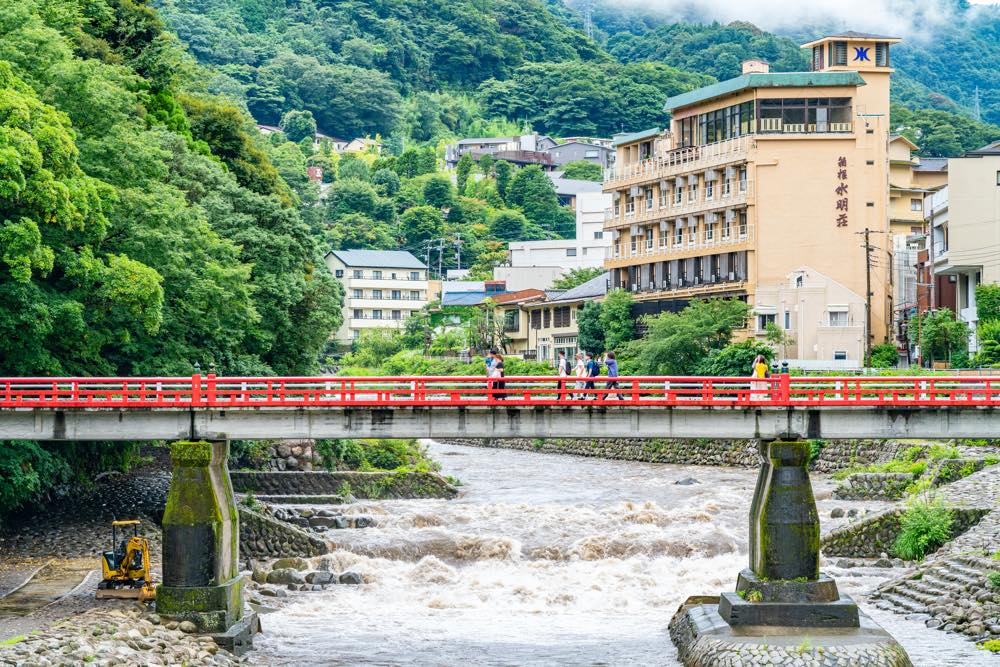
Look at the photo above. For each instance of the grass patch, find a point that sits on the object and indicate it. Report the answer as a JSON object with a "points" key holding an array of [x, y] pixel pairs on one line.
{"points": [[382, 455], [991, 645], [250, 502], [926, 525], [13, 640], [815, 447], [994, 579]]}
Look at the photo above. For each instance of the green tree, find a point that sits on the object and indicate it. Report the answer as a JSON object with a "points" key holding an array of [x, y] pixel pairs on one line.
{"points": [[617, 319], [938, 334], [298, 125], [734, 360], [355, 231], [462, 171], [354, 196], [583, 170], [487, 165], [420, 224], [415, 162], [988, 302], [504, 171], [507, 225], [591, 330], [884, 355], [438, 191], [576, 277], [489, 255], [988, 335], [386, 182], [676, 343], [353, 167], [533, 192]]}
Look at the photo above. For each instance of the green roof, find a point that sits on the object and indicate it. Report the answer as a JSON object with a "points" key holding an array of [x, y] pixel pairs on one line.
{"points": [[764, 80], [635, 136]]}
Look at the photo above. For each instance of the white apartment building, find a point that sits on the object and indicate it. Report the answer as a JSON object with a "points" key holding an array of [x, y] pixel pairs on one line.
{"points": [[381, 289], [537, 264]]}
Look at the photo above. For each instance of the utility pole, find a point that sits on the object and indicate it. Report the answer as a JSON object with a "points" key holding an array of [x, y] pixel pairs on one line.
{"points": [[868, 298], [458, 251]]}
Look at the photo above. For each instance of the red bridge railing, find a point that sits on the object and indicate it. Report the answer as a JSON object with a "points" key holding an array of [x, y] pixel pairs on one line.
{"points": [[302, 392]]}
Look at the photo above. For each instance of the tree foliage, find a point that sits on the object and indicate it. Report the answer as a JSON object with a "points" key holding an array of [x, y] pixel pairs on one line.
{"points": [[938, 334], [591, 331], [583, 170], [734, 360], [576, 277], [617, 320]]}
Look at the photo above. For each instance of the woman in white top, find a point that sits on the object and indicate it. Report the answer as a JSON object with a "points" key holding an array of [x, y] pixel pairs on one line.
{"points": [[581, 372]]}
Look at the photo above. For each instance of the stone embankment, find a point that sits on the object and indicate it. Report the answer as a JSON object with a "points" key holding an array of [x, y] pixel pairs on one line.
{"points": [[366, 485], [951, 590], [831, 456], [117, 633], [895, 485], [875, 534], [263, 536], [300, 574]]}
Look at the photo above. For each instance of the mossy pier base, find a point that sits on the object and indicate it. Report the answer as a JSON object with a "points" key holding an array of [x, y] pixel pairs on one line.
{"points": [[782, 596], [201, 577]]}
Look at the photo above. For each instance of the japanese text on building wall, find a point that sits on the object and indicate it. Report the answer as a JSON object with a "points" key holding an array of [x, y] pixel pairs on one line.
{"points": [[841, 191]]}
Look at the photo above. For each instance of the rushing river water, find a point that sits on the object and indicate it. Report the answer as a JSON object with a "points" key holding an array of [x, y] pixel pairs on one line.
{"points": [[545, 560]]}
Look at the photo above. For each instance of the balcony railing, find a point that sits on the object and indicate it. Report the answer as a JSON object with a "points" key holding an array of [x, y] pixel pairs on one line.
{"points": [[680, 160], [738, 235], [387, 298], [726, 194]]}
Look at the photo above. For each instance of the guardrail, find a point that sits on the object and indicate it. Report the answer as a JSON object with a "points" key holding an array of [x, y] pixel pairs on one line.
{"points": [[211, 392]]}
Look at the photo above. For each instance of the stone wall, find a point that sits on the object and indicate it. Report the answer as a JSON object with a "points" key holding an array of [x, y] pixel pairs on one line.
{"points": [[840, 454], [280, 455], [263, 537], [874, 486], [876, 534], [693, 452], [367, 485]]}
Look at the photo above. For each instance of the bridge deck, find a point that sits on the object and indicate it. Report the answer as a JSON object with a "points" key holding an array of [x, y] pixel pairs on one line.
{"points": [[524, 407]]}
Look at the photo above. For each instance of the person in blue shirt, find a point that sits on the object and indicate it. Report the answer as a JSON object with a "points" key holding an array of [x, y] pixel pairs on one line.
{"points": [[593, 370], [612, 364]]}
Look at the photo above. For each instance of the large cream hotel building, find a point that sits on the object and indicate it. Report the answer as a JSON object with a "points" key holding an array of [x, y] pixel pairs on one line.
{"points": [[761, 189]]}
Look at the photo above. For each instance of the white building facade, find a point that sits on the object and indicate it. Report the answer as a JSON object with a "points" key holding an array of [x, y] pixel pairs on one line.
{"points": [[537, 264], [382, 288]]}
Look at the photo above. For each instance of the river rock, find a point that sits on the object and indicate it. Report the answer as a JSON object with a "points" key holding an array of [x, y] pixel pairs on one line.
{"points": [[187, 627], [287, 576], [837, 513], [364, 522], [687, 481], [293, 563], [319, 577], [324, 522], [351, 578], [883, 562]]}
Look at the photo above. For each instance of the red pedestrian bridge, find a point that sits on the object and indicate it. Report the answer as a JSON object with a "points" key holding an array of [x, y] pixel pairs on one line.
{"points": [[782, 406]]}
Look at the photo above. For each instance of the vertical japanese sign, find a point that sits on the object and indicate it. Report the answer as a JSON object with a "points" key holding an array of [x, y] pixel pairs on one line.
{"points": [[841, 191]]}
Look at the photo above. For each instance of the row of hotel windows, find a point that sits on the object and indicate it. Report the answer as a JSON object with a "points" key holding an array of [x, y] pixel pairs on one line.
{"points": [[540, 318], [361, 314], [672, 274], [797, 114], [708, 230], [686, 189], [380, 275], [395, 295]]}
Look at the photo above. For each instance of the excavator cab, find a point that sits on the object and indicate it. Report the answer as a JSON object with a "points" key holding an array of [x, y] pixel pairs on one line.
{"points": [[126, 566]]}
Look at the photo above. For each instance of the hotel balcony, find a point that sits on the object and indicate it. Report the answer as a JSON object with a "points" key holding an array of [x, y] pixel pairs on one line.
{"points": [[678, 161], [740, 237], [727, 194]]}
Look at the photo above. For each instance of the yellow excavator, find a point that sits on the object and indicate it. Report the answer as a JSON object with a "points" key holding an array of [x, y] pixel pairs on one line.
{"points": [[126, 567]]}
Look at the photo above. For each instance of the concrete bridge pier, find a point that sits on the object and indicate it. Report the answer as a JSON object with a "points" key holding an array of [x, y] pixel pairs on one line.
{"points": [[782, 598], [201, 576]]}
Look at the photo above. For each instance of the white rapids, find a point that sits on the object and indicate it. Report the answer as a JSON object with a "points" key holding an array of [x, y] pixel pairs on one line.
{"points": [[544, 560]]}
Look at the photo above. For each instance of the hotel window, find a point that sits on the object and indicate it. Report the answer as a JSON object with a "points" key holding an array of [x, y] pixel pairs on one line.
{"points": [[414, 275], [393, 275], [339, 273], [727, 228], [376, 314], [763, 319], [838, 318], [397, 314], [815, 114], [881, 54], [692, 234], [396, 295], [678, 234], [649, 199], [693, 192], [817, 59], [376, 294], [743, 222], [376, 275], [536, 319], [788, 320], [358, 273], [415, 294], [838, 53], [359, 314], [598, 235], [709, 189], [663, 197], [560, 317], [840, 355], [618, 206], [571, 252], [629, 205], [547, 316], [356, 334], [916, 205], [678, 194], [709, 232], [511, 320], [359, 294], [649, 238]]}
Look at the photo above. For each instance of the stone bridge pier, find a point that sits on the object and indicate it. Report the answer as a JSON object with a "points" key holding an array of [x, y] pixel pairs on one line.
{"points": [[782, 598], [201, 541]]}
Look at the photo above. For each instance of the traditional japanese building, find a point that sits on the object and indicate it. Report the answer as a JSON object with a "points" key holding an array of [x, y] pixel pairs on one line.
{"points": [[758, 181]]}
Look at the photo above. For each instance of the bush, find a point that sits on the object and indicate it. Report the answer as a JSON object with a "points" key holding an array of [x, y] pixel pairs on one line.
{"points": [[375, 455], [994, 579], [926, 525], [884, 356], [734, 360]]}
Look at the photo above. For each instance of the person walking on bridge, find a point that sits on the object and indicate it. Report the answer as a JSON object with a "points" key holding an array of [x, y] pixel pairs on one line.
{"points": [[593, 370], [759, 372], [496, 374], [580, 370], [563, 367], [612, 364]]}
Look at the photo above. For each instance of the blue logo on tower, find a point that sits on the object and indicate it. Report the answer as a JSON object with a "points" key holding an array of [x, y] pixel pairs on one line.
{"points": [[861, 53]]}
